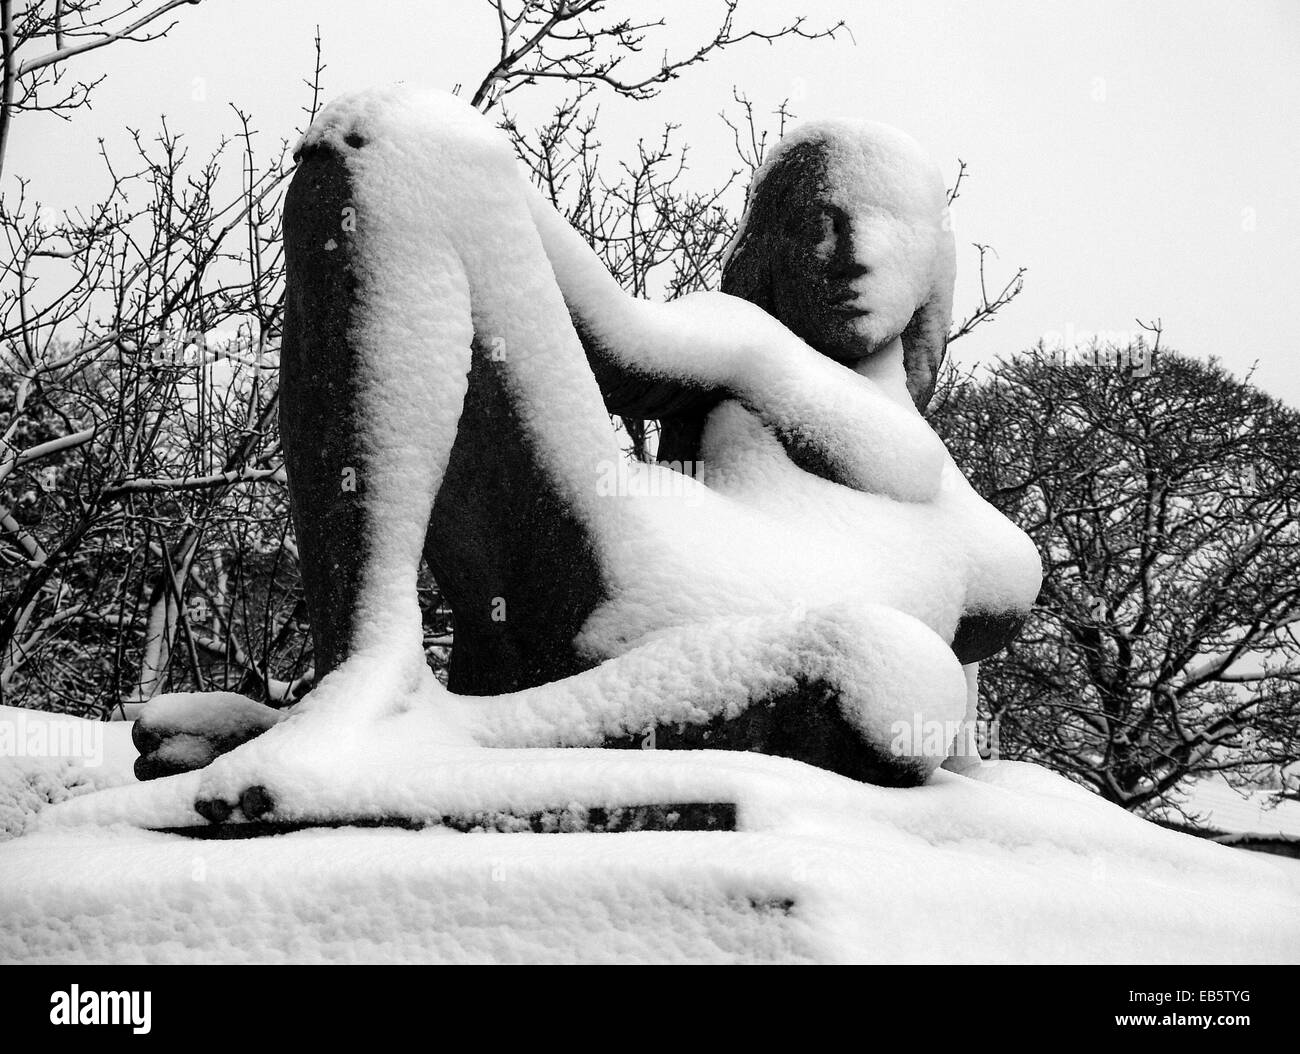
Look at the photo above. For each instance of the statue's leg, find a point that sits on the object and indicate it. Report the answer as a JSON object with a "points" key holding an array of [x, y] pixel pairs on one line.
{"points": [[320, 403], [322, 399], [515, 562], [377, 352], [864, 691], [366, 426], [435, 262]]}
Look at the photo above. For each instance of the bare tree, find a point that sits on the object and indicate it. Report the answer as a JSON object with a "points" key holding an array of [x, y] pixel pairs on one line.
{"points": [[1164, 496], [38, 44], [138, 340], [583, 43], [989, 305]]}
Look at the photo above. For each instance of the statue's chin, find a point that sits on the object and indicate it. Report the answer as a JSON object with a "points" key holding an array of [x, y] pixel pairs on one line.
{"points": [[852, 339], [858, 348]]}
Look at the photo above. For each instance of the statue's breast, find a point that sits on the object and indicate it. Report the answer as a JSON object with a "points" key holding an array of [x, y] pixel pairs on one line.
{"points": [[757, 534]]}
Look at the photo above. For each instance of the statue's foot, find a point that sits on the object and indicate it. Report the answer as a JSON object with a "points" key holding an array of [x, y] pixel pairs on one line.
{"points": [[183, 731], [864, 691], [361, 720]]}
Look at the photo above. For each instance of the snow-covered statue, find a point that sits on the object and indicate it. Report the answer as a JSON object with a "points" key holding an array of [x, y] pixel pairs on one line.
{"points": [[451, 349]]}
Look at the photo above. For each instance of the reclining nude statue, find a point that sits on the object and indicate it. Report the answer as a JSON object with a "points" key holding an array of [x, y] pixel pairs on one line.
{"points": [[815, 580]]}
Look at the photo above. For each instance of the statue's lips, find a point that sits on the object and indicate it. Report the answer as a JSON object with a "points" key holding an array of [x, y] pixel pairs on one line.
{"points": [[848, 303]]}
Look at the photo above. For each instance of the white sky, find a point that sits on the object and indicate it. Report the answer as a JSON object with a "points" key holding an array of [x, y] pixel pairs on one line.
{"points": [[1141, 159]]}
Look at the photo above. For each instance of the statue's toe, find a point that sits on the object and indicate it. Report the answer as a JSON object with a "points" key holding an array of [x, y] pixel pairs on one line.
{"points": [[214, 810], [256, 802], [145, 740], [148, 767]]}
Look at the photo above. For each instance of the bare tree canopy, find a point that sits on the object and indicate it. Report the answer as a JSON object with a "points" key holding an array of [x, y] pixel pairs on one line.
{"points": [[590, 42], [1164, 496]]}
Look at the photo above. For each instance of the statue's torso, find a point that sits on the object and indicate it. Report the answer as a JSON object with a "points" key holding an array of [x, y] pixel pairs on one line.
{"points": [[754, 534], [757, 535]]}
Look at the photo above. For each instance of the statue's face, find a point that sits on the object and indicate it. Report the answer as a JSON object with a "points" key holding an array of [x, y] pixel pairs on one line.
{"points": [[853, 256]]}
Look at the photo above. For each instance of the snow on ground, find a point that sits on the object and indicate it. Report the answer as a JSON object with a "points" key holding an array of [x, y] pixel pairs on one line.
{"points": [[47, 758], [1007, 863]]}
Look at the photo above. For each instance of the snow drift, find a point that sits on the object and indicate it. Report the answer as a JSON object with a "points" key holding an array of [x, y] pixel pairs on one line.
{"points": [[1006, 863]]}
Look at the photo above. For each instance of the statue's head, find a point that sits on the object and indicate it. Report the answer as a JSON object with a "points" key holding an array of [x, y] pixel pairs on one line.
{"points": [[845, 240]]}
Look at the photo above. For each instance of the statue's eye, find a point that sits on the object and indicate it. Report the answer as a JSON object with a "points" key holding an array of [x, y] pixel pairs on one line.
{"points": [[817, 227]]}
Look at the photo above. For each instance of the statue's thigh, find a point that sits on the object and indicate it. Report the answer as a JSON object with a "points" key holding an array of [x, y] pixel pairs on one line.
{"points": [[519, 568]]}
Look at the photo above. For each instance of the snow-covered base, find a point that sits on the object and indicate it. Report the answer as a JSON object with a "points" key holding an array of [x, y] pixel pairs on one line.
{"points": [[1005, 863]]}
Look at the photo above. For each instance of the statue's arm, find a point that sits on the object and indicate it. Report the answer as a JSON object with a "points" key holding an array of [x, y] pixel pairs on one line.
{"points": [[656, 359], [631, 390]]}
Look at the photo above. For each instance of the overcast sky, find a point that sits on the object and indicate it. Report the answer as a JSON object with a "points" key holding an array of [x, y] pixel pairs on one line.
{"points": [[1142, 159]]}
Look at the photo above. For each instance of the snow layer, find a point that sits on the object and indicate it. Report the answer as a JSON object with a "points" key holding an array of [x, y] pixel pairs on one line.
{"points": [[1006, 863], [47, 758]]}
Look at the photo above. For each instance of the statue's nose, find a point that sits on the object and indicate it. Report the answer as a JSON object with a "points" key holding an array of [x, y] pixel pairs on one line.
{"points": [[854, 256], [849, 267], [850, 260], [862, 244]]}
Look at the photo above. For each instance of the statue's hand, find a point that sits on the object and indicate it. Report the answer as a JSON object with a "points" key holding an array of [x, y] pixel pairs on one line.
{"points": [[182, 731]]}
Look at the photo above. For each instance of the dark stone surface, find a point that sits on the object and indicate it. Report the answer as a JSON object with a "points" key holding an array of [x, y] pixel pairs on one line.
{"points": [[498, 530], [663, 816], [806, 724], [981, 635], [319, 429]]}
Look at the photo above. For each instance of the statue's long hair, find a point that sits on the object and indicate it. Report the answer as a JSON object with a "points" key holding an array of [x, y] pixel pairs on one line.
{"points": [[747, 267]]}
